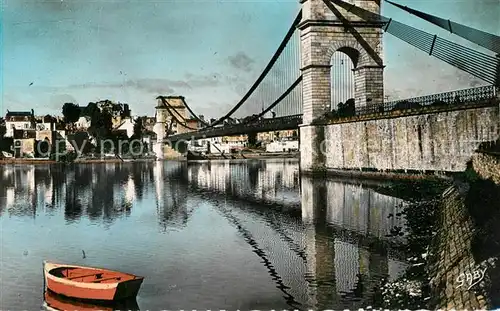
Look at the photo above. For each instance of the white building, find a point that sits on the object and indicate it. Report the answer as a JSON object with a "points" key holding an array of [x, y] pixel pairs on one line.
{"points": [[283, 145], [214, 145], [19, 120], [83, 123], [126, 125]]}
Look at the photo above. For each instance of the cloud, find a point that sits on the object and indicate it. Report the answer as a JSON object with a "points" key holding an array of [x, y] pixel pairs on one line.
{"points": [[241, 61], [152, 85], [57, 99]]}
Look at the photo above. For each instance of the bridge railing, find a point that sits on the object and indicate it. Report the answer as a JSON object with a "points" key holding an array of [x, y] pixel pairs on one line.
{"points": [[458, 97]]}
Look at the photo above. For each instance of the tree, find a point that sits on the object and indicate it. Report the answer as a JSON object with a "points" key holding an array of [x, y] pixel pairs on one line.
{"points": [[90, 109], [252, 139], [101, 124], [137, 129], [71, 112], [3, 130], [116, 110], [125, 113], [5, 142]]}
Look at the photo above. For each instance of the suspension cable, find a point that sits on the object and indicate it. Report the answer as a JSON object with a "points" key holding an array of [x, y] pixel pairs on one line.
{"points": [[479, 37], [480, 65], [264, 72], [276, 102]]}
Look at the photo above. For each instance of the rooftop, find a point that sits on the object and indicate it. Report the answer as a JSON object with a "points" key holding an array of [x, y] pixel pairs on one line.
{"points": [[19, 113], [171, 97]]}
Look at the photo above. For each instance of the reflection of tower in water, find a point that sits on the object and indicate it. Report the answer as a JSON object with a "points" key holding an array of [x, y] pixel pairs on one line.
{"points": [[49, 193], [129, 188], [171, 199], [345, 226], [10, 197], [159, 186]]}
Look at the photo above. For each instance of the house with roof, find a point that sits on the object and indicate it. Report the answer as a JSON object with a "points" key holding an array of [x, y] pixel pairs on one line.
{"points": [[20, 120], [24, 142], [127, 126]]}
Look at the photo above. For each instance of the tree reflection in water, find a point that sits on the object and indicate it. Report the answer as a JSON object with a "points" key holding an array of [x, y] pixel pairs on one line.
{"points": [[99, 192]]}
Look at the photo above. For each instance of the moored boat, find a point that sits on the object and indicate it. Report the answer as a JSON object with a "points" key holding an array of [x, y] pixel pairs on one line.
{"points": [[90, 283]]}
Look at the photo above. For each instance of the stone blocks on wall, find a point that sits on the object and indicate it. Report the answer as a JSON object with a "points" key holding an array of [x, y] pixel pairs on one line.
{"points": [[487, 166], [436, 142], [312, 148]]}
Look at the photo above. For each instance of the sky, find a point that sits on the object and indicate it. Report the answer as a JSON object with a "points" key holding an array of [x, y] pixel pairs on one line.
{"points": [[209, 51]]}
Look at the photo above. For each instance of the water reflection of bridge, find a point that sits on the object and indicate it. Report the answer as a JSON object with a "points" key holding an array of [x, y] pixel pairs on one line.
{"points": [[352, 207], [322, 242], [339, 241]]}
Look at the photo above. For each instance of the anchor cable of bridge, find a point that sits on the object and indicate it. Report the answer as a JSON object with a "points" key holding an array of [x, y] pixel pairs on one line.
{"points": [[479, 37], [480, 65], [195, 115], [264, 73]]}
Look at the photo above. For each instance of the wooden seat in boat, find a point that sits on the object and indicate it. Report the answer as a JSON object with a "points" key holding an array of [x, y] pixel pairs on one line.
{"points": [[97, 275], [107, 279]]}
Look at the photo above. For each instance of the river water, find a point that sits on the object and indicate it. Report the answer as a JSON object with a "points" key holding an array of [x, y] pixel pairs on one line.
{"points": [[208, 235]]}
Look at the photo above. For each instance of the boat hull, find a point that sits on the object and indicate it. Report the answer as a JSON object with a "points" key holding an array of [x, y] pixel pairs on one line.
{"points": [[90, 290], [55, 302]]}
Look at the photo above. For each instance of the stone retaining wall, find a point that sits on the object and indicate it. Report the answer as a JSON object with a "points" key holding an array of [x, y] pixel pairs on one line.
{"points": [[442, 141], [487, 166], [453, 256]]}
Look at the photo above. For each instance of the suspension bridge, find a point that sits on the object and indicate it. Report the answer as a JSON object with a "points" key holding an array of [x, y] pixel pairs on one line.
{"points": [[329, 68]]}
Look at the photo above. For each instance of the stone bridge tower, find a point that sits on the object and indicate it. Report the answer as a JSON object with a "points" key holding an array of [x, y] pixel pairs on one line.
{"points": [[160, 129], [327, 28]]}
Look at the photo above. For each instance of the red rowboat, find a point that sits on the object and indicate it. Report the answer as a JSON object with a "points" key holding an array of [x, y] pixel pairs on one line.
{"points": [[90, 283]]}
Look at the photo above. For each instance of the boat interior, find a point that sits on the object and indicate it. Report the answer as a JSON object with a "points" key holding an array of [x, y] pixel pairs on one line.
{"points": [[90, 275]]}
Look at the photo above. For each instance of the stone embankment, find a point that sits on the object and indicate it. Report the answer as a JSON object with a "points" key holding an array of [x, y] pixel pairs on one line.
{"points": [[464, 269], [487, 165], [453, 260], [453, 235]]}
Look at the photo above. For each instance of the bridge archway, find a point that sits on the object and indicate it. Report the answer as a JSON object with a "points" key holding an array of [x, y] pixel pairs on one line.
{"points": [[342, 86]]}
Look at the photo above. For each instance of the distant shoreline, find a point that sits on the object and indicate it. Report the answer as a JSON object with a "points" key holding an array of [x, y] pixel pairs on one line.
{"points": [[229, 156], [78, 161], [26, 161]]}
